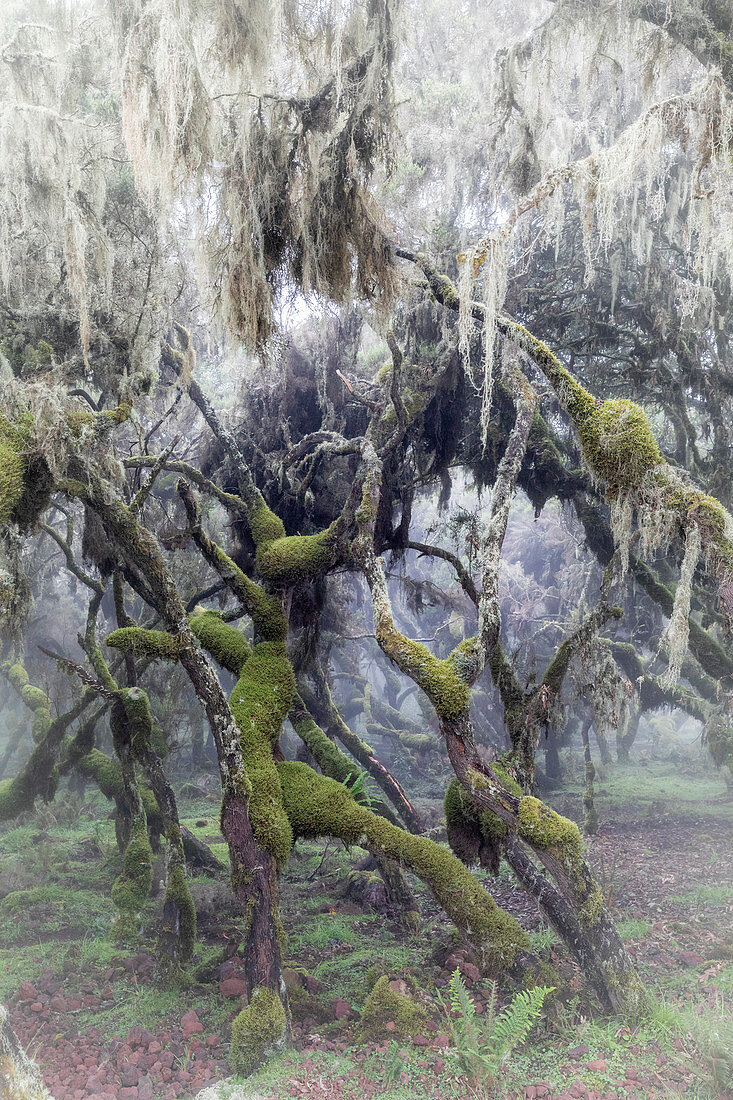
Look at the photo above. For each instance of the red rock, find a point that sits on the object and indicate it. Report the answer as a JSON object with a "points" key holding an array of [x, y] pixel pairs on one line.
{"points": [[312, 984], [145, 1089], [190, 1024], [27, 992], [154, 1047], [530, 1092], [37, 1006], [232, 987], [128, 1094], [470, 971], [441, 1040], [341, 1009], [213, 1041], [389, 1026], [58, 1003], [598, 1066], [421, 1041]]}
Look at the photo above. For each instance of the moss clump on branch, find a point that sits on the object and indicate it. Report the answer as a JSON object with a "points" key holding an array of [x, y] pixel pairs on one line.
{"points": [[226, 644], [618, 443], [317, 806], [441, 680], [260, 702], [145, 643], [264, 525], [12, 469], [107, 774], [385, 1005], [257, 1031], [542, 828], [294, 558], [13, 799]]}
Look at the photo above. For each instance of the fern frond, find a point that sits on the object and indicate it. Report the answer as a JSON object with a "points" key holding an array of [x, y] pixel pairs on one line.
{"points": [[514, 1023]]}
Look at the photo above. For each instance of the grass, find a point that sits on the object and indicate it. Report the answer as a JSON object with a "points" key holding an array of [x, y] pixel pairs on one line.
{"points": [[716, 896], [658, 786], [633, 929]]}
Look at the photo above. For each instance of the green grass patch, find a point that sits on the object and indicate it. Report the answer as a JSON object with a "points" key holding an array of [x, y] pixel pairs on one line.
{"points": [[633, 929]]}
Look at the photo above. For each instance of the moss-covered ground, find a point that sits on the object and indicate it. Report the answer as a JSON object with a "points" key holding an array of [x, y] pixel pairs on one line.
{"points": [[95, 1017]]}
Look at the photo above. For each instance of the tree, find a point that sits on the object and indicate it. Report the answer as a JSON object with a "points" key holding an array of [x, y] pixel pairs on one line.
{"points": [[266, 144]]}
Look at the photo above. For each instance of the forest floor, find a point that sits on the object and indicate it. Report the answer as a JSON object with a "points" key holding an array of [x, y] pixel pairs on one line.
{"points": [[98, 1026]]}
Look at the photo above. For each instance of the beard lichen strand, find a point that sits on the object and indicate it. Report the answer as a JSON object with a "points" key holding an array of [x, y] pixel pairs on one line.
{"points": [[678, 628]]}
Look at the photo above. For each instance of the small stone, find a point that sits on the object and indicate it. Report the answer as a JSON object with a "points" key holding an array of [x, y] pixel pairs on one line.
{"points": [[597, 1066], [190, 1024], [341, 1009], [213, 1041], [145, 1090], [27, 992], [232, 987]]}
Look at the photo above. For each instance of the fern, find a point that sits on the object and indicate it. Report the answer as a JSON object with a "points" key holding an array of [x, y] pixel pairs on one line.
{"points": [[359, 788], [513, 1025], [481, 1046]]}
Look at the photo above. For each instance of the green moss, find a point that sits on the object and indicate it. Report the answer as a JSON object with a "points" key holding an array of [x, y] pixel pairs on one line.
{"points": [[440, 680], [14, 798], [260, 702], [328, 756], [618, 443], [317, 806], [257, 1031], [17, 676], [264, 525], [178, 893], [226, 644], [474, 834], [12, 469], [385, 1005], [106, 772], [145, 643], [132, 886], [139, 718], [286, 561], [78, 421], [34, 697], [592, 908], [543, 828]]}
